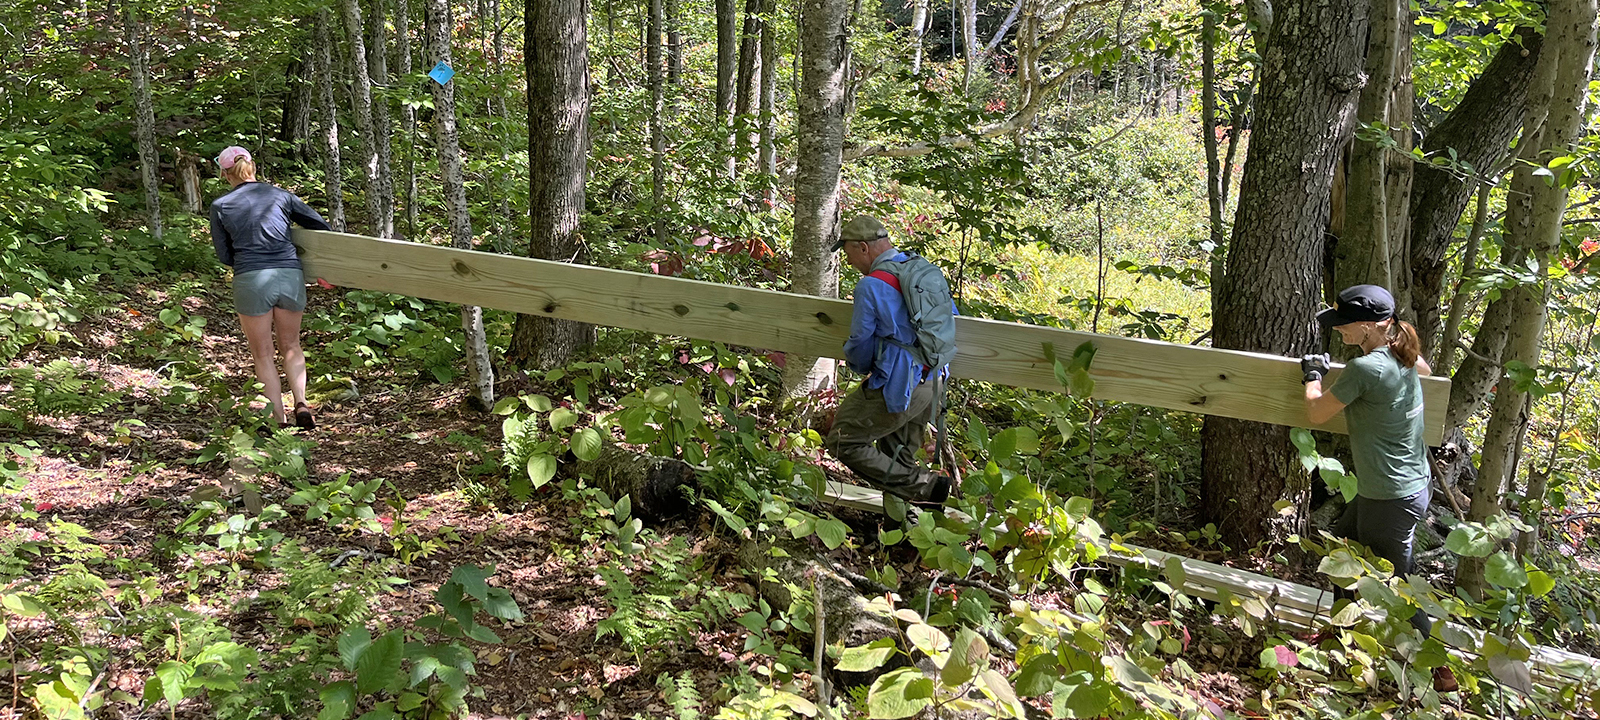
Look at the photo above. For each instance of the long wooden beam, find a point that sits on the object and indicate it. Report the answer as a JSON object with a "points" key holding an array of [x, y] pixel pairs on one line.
{"points": [[1249, 386]]}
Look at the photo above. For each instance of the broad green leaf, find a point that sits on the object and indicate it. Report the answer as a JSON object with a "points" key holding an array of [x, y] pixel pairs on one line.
{"points": [[1004, 444], [1341, 563], [901, 693], [379, 666], [1540, 583], [562, 418], [474, 580], [969, 654], [1080, 695], [1377, 593], [1000, 689], [1038, 675], [540, 469], [832, 531], [22, 604], [1469, 541], [174, 678], [1079, 507], [501, 605], [506, 405], [537, 403], [1511, 671], [1027, 440], [384, 711], [1503, 570], [623, 508], [891, 537], [352, 642], [928, 638], [1175, 573], [586, 444], [867, 657]]}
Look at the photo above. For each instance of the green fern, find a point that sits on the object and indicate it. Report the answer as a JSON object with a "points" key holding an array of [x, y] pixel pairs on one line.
{"points": [[681, 694]]}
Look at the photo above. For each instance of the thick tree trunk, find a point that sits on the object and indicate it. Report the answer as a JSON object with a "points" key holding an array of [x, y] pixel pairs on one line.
{"points": [[295, 124], [448, 144], [1479, 130], [144, 121], [374, 142], [727, 64], [749, 74], [1398, 171], [1561, 84], [1361, 254], [408, 114], [1310, 78], [332, 170], [824, 86], [557, 66]]}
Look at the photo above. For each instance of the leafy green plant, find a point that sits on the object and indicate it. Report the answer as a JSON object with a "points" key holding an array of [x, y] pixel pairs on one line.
{"points": [[343, 504], [532, 455], [56, 389]]}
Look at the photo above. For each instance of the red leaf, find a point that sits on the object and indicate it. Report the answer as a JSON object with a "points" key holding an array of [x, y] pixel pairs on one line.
{"points": [[44, 507], [728, 375]]}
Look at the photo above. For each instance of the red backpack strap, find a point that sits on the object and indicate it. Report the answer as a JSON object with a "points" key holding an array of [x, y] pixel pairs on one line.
{"points": [[887, 277]]}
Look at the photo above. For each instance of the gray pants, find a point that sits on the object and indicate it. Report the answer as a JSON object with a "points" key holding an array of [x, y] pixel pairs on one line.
{"points": [[1388, 528], [881, 446]]}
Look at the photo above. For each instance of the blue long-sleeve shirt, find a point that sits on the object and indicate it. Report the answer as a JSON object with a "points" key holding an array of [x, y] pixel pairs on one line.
{"points": [[881, 313], [250, 227]]}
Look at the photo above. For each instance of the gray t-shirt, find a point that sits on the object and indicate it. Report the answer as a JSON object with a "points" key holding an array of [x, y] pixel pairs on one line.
{"points": [[1383, 409], [250, 227]]}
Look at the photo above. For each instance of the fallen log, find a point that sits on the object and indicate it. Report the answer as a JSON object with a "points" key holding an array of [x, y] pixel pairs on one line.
{"points": [[660, 487]]}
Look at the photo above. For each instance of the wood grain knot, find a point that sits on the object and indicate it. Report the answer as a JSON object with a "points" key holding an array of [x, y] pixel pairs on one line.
{"points": [[385, 266], [733, 306], [681, 310], [461, 268], [550, 308], [1221, 376], [1197, 402], [823, 317]]}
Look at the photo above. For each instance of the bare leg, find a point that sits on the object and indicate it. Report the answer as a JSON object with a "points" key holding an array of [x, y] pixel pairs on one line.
{"points": [[287, 326], [258, 331]]}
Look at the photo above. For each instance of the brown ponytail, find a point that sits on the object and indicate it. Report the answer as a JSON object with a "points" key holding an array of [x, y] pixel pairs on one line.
{"points": [[1403, 342]]}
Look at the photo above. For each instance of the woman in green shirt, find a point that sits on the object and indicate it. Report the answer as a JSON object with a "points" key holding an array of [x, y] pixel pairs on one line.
{"points": [[1380, 393]]}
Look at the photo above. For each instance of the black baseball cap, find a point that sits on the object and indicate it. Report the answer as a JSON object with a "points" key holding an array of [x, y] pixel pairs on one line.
{"points": [[864, 228], [1358, 303]]}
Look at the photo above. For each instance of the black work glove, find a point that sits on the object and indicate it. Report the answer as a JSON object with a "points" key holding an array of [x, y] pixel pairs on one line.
{"points": [[1314, 366]]}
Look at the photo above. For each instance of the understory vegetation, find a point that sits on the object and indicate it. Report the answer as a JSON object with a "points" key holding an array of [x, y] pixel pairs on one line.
{"points": [[166, 550]]}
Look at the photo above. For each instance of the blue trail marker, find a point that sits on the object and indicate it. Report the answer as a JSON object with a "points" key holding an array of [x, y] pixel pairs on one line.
{"points": [[441, 73]]}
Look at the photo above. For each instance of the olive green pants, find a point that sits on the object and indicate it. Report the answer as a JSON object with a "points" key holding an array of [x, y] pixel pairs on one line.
{"points": [[881, 446]]}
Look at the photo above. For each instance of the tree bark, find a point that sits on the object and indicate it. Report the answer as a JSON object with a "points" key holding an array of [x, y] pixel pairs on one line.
{"points": [[1479, 130], [1310, 78], [767, 154], [382, 125], [1208, 137], [295, 125], [1361, 253], [919, 28], [727, 64], [447, 143], [332, 171], [1398, 172], [374, 144], [969, 42], [1459, 304], [674, 18], [189, 178], [749, 75], [557, 66], [144, 120], [656, 485], [408, 114], [658, 134], [1561, 83], [824, 86]]}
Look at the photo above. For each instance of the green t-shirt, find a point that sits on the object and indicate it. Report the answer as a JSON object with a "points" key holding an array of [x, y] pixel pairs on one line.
{"points": [[1383, 409]]}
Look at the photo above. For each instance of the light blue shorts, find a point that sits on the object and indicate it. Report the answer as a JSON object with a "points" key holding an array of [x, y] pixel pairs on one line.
{"points": [[259, 291]]}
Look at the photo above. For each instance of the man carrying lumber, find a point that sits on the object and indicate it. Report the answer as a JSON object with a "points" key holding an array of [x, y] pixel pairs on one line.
{"points": [[902, 337]]}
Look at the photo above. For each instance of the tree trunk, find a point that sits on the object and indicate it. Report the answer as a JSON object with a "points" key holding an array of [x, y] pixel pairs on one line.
{"points": [[824, 86], [1208, 137], [727, 63], [919, 28], [378, 71], [658, 134], [439, 24], [969, 42], [674, 18], [557, 66], [408, 114], [189, 178], [1398, 171], [749, 72], [295, 125], [1561, 83], [333, 181], [1305, 104], [144, 121], [1479, 130], [1462, 299], [1361, 254], [767, 160], [374, 145]]}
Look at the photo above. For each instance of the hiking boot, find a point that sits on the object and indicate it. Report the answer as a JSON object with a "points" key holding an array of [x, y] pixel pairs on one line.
{"points": [[938, 492], [1444, 681], [302, 417]]}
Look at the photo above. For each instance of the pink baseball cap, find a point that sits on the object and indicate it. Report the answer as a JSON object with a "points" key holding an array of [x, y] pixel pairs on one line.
{"points": [[231, 155]]}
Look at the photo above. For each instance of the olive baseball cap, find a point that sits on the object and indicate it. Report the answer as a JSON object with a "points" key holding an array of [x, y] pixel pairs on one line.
{"points": [[864, 228], [1358, 303]]}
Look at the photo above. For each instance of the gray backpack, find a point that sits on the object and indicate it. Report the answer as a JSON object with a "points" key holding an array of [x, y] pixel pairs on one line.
{"points": [[928, 303]]}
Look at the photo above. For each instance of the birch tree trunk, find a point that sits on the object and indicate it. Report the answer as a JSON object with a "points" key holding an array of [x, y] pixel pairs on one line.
{"points": [[824, 85], [408, 114], [969, 42], [1310, 78], [333, 172], [1561, 83], [1361, 255], [438, 24], [919, 28], [658, 135], [374, 144], [557, 66], [144, 120]]}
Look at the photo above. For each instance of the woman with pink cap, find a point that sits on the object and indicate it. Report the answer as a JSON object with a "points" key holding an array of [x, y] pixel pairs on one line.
{"points": [[250, 230]]}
